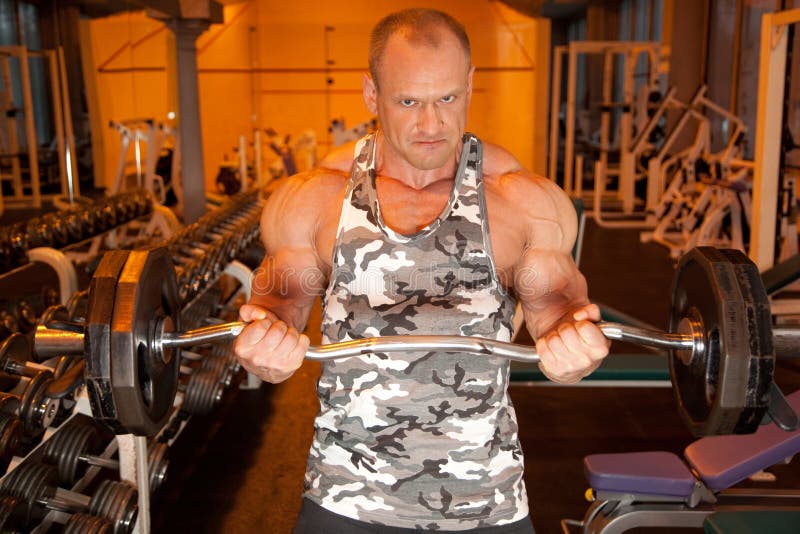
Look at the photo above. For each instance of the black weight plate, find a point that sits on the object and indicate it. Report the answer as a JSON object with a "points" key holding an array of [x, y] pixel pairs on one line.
{"points": [[761, 361], [77, 304], [36, 410], [10, 439], [99, 307], [58, 228], [56, 312], [72, 220], [9, 403], [15, 349], [88, 219], [157, 465], [87, 524], [12, 514], [26, 316], [144, 381], [65, 448], [711, 392], [39, 233], [31, 482], [116, 502], [8, 323]]}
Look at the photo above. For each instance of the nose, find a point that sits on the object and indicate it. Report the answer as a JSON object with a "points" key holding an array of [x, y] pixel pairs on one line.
{"points": [[429, 120]]}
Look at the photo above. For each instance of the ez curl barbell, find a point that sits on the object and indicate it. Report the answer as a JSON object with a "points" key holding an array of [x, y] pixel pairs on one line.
{"points": [[721, 343]]}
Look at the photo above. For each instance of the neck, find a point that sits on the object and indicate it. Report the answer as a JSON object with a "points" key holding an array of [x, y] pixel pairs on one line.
{"points": [[390, 164]]}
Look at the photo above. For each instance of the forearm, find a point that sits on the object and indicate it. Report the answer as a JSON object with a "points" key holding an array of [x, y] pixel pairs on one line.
{"points": [[287, 284]]}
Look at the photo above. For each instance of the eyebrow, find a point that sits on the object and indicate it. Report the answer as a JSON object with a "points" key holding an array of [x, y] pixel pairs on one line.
{"points": [[453, 92]]}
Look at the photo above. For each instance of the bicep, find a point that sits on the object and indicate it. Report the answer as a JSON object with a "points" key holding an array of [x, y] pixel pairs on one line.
{"points": [[290, 275]]}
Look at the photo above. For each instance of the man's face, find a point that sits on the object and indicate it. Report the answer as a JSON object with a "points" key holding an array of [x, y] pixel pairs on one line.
{"points": [[421, 100]]}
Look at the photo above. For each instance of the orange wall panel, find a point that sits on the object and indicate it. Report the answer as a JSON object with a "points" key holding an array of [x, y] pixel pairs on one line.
{"points": [[266, 68]]}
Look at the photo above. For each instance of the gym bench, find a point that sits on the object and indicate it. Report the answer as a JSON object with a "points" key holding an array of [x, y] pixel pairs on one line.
{"points": [[659, 489]]}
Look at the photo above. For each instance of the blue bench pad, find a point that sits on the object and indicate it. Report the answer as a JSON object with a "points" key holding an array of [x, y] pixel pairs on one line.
{"points": [[652, 473], [722, 461]]}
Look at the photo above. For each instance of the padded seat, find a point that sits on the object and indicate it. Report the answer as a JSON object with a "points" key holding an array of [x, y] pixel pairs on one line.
{"points": [[722, 461], [651, 473]]}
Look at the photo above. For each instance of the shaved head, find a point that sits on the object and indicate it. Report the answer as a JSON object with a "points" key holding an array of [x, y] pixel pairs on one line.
{"points": [[418, 26]]}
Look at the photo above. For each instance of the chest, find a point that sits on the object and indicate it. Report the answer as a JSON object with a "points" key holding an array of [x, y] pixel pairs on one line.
{"points": [[408, 211]]}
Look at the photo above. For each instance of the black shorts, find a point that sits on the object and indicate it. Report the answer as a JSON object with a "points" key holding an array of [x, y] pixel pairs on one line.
{"points": [[314, 519]]}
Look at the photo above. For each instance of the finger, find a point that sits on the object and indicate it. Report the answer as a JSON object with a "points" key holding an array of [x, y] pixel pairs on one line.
{"points": [[561, 359], [303, 343], [590, 312], [594, 313], [553, 362], [298, 353], [252, 334], [274, 336], [584, 338], [286, 345], [573, 346], [253, 312], [592, 336]]}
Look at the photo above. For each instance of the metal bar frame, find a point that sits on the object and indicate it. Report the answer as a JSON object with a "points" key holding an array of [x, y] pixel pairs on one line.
{"points": [[769, 123]]}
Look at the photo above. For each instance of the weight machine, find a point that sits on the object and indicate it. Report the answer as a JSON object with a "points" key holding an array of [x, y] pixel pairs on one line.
{"points": [[289, 158], [770, 144], [64, 137], [165, 186], [705, 188], [632, 111]]}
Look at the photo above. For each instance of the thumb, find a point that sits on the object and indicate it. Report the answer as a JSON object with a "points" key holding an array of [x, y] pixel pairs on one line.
{"points": [[253, 312]]}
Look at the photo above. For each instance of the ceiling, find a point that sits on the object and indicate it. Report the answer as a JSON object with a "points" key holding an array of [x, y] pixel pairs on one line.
{"points": [[554, 9]]}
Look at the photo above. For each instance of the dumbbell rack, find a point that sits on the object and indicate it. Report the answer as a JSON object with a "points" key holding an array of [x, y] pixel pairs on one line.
{"points": [[204, 252], [54, 238], [193, 286], [36, 455]]}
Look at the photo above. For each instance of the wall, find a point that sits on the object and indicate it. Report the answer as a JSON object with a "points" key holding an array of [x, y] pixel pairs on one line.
{"points": [[684, 36], [293, 67]]}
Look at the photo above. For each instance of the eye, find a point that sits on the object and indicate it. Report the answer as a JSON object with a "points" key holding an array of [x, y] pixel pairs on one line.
{"points": [[407, 102], [449, 98]]}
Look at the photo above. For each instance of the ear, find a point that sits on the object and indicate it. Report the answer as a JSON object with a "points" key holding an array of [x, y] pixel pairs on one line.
{"points": [[370, 93], [469, 82]]}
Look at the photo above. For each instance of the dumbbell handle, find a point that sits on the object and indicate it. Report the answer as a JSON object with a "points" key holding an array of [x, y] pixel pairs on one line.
{"points": [[66, 501], [511, 351]]}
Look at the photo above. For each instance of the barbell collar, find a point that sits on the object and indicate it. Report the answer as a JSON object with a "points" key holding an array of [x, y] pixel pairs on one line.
{"points": [[51, 342]]}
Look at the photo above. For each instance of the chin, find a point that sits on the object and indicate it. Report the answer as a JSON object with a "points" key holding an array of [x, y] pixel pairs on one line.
{"points": [[429, 164], [431, 161]]}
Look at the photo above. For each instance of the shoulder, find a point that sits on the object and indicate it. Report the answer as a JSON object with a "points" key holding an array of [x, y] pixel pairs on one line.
{"points": [[307, 189], [498, 161], [545, 212], [294, 209], [340, 158]]}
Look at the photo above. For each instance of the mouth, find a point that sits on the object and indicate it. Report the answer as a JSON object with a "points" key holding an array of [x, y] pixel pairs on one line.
{"points": [[429, 144]]}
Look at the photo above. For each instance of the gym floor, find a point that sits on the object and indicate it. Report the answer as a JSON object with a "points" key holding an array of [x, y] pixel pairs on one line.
{"points": [[242, 471]]}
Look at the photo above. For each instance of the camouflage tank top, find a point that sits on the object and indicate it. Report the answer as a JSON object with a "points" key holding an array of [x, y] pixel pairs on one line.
{"points": [[418, 439]]}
